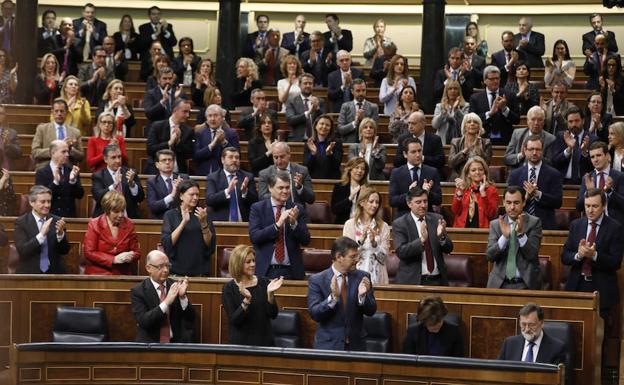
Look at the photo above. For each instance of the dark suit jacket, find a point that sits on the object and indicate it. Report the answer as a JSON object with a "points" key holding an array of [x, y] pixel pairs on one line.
{"points": [[593, 68], [534, 50], [133, 47], [449, 336], [334, 324], [64, 195], [93, 92], [12, 149], [499, 59], [149, 317], [400, 180], [154, 110], [248, 50], [551, 351], [28, 247], [249, 122], [377, 72], [476, 72], [256, 153], [603, 132], [615, 199], [324, 166], [57, 47], [410, 249], [334, 82], [320, 69], [340, 203], [98, 35], [263, 235], [157, 139], [296, 119], [206, 160], [145, 39], [604, 268], [102, 179], [306, 195], [549, 183], [589, 38], [289, 41], [497, 127], [438, 85], [216, 183], [345, 43], [432, 151], [156, 193], [560, 162]]}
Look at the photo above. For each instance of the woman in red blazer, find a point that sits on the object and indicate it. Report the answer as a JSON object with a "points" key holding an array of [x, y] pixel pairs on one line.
{"points": [[475, 202], [111, 246], [104, 135]]}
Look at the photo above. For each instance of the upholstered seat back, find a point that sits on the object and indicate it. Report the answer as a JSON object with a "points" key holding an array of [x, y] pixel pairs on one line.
{"points": [[80, 324]]}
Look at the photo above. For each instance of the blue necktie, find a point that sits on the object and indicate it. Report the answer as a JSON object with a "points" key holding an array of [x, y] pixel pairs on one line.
{"points": [[529, 355], [61, 134], [169, 185], [233, 203], [530, 208], [44, 261]]}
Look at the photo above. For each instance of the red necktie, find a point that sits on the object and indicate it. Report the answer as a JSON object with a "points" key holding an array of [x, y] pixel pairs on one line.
{"points": [[269, 76], [587, 270], [601, 181], [279, 244], [165, 327], [428, 251]]}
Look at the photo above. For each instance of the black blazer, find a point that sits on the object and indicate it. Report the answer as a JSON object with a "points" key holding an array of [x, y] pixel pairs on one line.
{"points": [[615, 199], [438, 85], [560, 162], [401, 179], [432, 151], [340, 203], [345, 43], [449, 337], [498, 127], [133, 47], [551, 351], [57, 47], [64, 195], [289, 41], [101, 180], [145, 39], [249, 122], [323, 166], [258, 160], [534, 50], [145, 307], [216, 183], [28, 247], [334, 82], [156, 193], [99, 31], [320, 69], [154, 110], [605, 121], [240, 96], [158, 139], [588, 41], [43, 94], [499, 59]]}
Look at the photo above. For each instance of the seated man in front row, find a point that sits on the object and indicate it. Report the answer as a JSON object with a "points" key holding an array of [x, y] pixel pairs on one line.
{"points": [[162, 188]]}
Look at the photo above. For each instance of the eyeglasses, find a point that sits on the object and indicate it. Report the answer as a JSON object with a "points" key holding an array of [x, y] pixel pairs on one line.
{"points": [[107, 122], [161, 266]]}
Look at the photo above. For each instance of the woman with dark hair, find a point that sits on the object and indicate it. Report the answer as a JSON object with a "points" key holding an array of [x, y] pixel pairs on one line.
{"points": [[249, 300], [322, 153], [394, 82], [612, 86], [126, 39], [160, 61], [48, 81], [114, 101], [188, 236], [204, 79], [212, 95], [186, 63], [148, 62], [560, 67], [259, 147], [8, 78], [432, 336], [369, 148], [406, 105], [450, 112], [526, 92], [7, 193], [597, 119], [46, 32], [472, 29], [475, 202], [346, 192]]}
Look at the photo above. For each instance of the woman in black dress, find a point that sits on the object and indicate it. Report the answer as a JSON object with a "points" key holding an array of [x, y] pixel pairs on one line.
{"points": [[259, 148], [322, 154], [346, 192], [249, 301], [126, 39]]}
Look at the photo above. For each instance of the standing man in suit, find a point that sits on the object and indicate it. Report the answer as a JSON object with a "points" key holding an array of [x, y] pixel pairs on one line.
{"points": [[257, 41], [56, 130], [162, 188], [270, 61], [338, 299], [606, 179], [115, 59], [557, 108], [413, 174], [515, 152], [337, 38], [173, 134], [161, 308], [302, 110], [433, 153], [10, 149], [298, 41], [533, 344], [89, 29], [300, 182], [278, 229], [158, 102], [340, 81], [40, 236], [513, 245], [420, 239], [572, 149], [250, 117], [7, 27], [497, 108], [542, 183], [230, 192], [156, 30], [455, 69], [66, 46], [62, 179], [117, 177], [473, 62], [594, 252], [507, 57], [596, 62], [352, 113], [530, 42], [595, 19], [95, 76], [319, 60], [210, 142]]}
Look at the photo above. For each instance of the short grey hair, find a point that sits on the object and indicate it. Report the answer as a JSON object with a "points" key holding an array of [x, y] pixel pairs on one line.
{"points": [[54, 145], [341, 53], [215, 108], [490, 69], [37, 190], [536, 110], [153, 254], [280, 145]]}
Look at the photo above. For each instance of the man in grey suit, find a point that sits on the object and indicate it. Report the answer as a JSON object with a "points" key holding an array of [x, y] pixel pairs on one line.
{"points": [[301, 183], [514, 155], [513, 245], [302, 110], [557, 108], [95, 76], [352, 113], [420, 239]]}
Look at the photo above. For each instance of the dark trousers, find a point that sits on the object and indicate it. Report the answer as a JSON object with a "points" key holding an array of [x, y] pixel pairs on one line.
{"points": [[276, 271]]}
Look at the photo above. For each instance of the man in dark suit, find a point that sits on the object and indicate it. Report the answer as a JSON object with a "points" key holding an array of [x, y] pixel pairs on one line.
{"points": [[158, 102], [162, 188], [89, 29], [340, 81], [420, 239], [515, 153], [66, 47], [250, 117], [156, 29], [338, 299], [173, 134], [473, 62], [298, 41], [513, 245], [411, 175], [302, 110], [117, 177], [497, 108], [595, 61], [594, 251], [455, 69], [352, 113], [533, 345], [8, 32], [62, 179], [572, 149], [507, 57], [278, 229], [115, 59], [230, 192], [596, 20], [542, 183], [212, 140], [337, 38], [256, 41], [606, 179], [40, 236], [432, 154], [10, 149], [269, 63], [95, 76], [319, 60], [161, 308], [530, 42]]}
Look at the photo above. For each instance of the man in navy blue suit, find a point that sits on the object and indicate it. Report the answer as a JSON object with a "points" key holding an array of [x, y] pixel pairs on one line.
{"points": [[230, 192], [412, 174], [162, 189], [278, 229], [572, 148], [157, 29], [541, 182], [338, 299], [210, 141], [158, 102], [340, 81], [89, 29], [298, 41], [507, 57], [530, 42], [433, 153], [256, 42], [604, 178], [337, 38], [319, 60]]}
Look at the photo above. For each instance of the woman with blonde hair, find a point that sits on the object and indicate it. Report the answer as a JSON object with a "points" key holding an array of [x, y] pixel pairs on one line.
{"points": [[373, 46], [616, 145], [247, 79], [368, 229], [48, 82], [78, 108], [470, 144], [288, 86], [105, 134], [114, 101], [346, 192], [475, 202], [212, 95], [369, 148], [394, 82], [204, 78], [450, 112]]}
